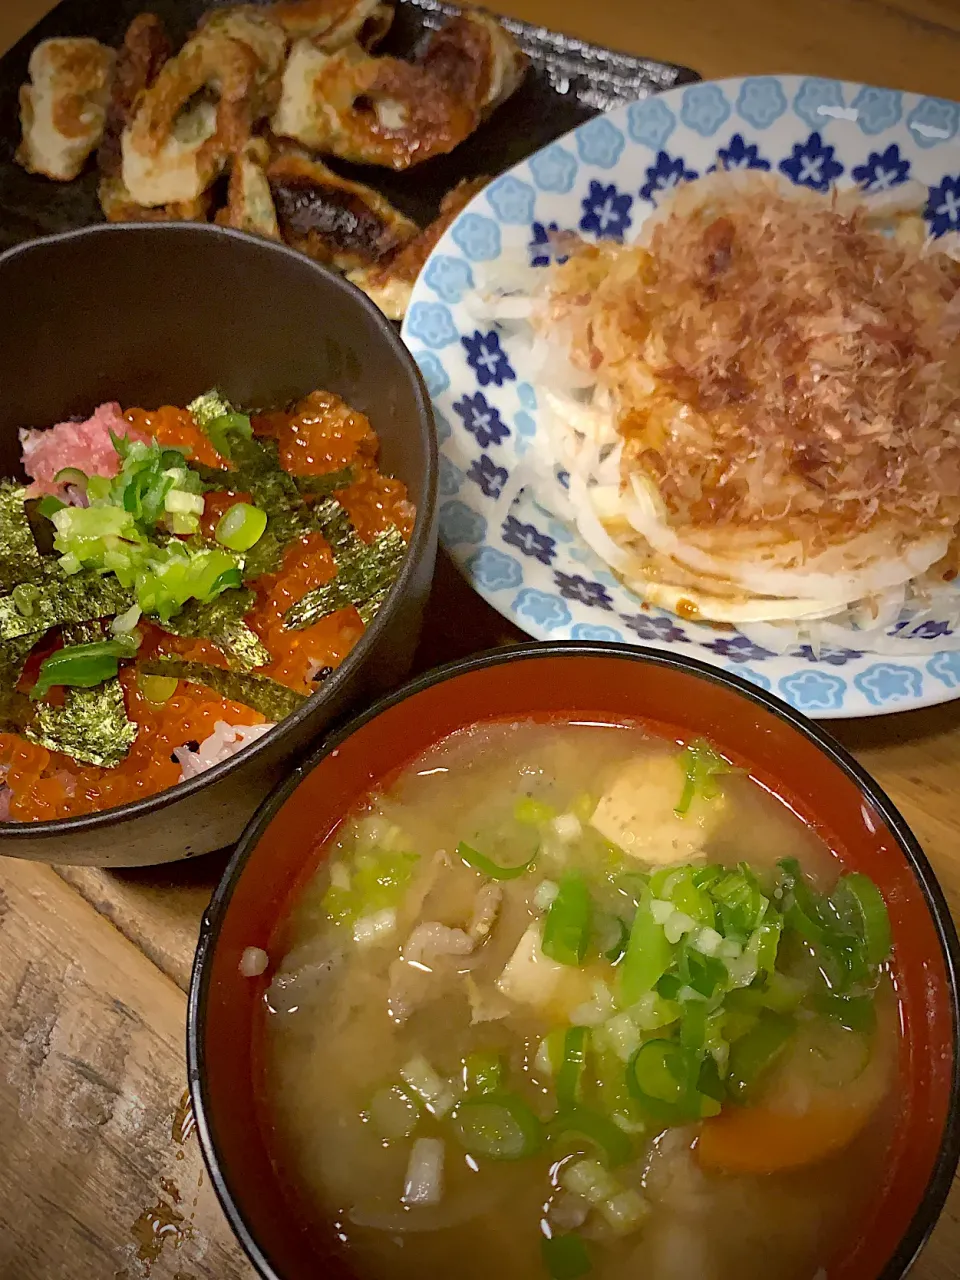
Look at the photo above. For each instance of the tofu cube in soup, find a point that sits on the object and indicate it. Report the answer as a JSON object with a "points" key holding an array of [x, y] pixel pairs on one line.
{"points": [[638, 812]]}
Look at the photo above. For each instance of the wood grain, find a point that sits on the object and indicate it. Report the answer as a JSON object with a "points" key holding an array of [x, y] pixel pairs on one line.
{"points": [[91, 1074], [93, 964]]}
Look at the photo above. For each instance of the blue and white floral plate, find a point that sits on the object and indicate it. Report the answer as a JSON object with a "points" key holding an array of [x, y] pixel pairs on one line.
{"points": [[603, 179]]}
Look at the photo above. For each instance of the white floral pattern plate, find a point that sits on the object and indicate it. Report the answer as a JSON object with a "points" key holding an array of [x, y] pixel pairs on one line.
{"points": [[602, 180]]}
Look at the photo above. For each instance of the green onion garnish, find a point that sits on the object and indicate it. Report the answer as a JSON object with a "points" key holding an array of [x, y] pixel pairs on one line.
{"points": [[580, 1122], [701, 766], [499, 1126], [480, 862], [241, 526], [566, 930], [752, 1056], [573, 1067]]}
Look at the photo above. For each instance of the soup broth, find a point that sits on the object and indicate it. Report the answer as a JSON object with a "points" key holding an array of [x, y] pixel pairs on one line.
{"points": [[571, 999]]}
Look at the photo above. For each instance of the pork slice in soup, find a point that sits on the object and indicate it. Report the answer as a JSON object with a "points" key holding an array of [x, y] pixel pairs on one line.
{"points": [[571, 1000]]}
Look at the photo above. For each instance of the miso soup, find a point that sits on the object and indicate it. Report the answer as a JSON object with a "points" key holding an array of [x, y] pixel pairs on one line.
{"points": [[570, 1000]]}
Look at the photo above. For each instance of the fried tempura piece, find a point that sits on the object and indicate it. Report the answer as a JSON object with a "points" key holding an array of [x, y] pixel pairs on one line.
{"points": [[389, 112], [331, 24], [250, 204], [332, 220], [63, 109], [390, 281], [254, 27], [179, 140], [119, 206], [146, 47]]}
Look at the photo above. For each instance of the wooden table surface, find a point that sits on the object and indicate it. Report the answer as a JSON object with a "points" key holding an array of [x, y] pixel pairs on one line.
{"points": [[100, 1175]]}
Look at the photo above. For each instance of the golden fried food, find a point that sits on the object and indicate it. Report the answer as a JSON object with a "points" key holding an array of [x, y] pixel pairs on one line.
{"points": [[477, 60], [389, 282], [332, 220], [250, 204], [119, 206], [254, 27], [63, 108], [146, 47], [180, 139], [331, 24]]}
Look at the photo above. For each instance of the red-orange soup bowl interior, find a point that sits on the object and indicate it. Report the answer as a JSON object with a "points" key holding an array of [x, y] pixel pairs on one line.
{"points": [[671, 698]]}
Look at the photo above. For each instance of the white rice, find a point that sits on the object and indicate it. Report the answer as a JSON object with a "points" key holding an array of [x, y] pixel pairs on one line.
{"points": [[225, 741]]}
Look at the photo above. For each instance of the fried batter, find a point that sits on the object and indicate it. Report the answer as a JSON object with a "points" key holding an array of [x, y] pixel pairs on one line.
{"points": [[250, 204], [332, 220], [393, 113], [63, 109], [254, 27], [119, 206], [331, 24], [146, 47], [389, 282], [179, 140]]}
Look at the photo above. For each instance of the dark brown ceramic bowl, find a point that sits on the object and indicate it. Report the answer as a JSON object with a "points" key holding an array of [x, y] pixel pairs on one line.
{"points": [[156, 314], [675, 697]]}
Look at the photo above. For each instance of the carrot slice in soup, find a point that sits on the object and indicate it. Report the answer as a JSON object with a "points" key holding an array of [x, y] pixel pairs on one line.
{"points": [[761, 1140]]}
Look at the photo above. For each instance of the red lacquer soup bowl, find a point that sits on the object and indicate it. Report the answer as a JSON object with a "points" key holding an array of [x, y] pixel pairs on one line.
{"points": [[674, 697]]}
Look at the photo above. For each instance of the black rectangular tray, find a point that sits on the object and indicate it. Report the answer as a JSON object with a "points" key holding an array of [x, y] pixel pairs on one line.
{"points": [[568, 82]]}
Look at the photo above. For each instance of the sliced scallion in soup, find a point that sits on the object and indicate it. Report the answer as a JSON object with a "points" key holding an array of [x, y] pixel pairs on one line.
{"points": [[571, 1000]]}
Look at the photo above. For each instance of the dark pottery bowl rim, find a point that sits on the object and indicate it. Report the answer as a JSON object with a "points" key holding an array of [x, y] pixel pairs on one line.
{"points": [[932, 1196], [419, 543]]}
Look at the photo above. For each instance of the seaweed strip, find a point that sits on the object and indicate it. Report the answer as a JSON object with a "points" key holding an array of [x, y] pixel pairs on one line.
{"points": [[65, 598], [19, 559], [269, 697], [323, 486], [362, 580], [13, 658], [91, 726], [221, 622]]}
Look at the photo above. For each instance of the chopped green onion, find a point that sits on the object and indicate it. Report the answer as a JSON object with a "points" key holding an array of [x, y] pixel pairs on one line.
{"points": [[431, 1088], [570, 1074], [647, 958], [872, 920], [241, 526], [754, 1054], [613, 1144], [483, 1073], [71, 475], [565, 1257], [49, 506], [499, 1126], [611, 935], [157, 689], [662, 1075], [480, 862], [855, 1013], [83, 666], [701, 766], [222, 431], [566, 929], [533, 812]]}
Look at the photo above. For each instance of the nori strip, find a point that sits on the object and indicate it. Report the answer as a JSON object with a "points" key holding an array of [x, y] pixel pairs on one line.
{"points": [[19, 559], [259, 473], [269, 697], [363, 580], [221, 622], [323, 486], [13, 658], [92, 726], [65, 598]]}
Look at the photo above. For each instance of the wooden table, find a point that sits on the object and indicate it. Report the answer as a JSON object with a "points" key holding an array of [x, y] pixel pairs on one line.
{"points": [[100, 1176]]}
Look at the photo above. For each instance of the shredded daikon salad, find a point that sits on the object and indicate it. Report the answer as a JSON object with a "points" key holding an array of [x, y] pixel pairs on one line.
{"points": [[758, 405]]}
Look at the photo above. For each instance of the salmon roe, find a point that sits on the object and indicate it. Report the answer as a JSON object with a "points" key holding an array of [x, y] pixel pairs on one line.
{"points": [[321, 434]]}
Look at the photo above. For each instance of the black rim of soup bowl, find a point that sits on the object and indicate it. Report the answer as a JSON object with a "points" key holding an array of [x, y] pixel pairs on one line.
{"points": [[934, 1194], [420, 541]]}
